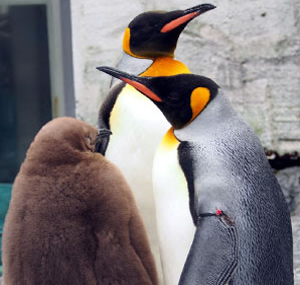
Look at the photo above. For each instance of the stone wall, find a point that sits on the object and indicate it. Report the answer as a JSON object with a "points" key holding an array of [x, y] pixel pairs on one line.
{"points": [[250, 48]]}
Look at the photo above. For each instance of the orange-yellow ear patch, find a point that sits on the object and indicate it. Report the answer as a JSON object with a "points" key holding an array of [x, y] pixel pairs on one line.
{"points": [[199, 99], [126, 42]]}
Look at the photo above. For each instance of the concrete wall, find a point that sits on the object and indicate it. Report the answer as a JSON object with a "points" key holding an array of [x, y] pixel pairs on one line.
{"points": [[250, 48]]}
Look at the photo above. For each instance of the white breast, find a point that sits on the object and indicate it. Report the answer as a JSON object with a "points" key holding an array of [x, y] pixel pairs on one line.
{"points": [[175, 226], [138, 126]]}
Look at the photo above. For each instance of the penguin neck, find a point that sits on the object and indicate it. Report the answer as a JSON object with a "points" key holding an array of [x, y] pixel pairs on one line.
{"points": [[133, 65], [169, 141], [165, 66], [214, 119]]}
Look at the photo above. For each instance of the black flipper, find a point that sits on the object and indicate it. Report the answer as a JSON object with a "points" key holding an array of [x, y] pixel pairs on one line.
{"points": [[102, 140], [213, 255], [103, 118]]}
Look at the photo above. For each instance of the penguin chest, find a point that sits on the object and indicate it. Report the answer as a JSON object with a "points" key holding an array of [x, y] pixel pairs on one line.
{"points": [[175, 226], [137, 126]]}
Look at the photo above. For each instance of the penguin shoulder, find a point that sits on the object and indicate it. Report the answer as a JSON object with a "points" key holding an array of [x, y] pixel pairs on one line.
{"points": [[218, 119]]}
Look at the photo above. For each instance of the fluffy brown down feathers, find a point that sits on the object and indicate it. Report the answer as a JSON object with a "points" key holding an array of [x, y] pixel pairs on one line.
{"points": [[72, 218]]}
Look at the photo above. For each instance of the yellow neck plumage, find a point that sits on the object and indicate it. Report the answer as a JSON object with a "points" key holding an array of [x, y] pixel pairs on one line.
{"points": [[169, 140], [165, 66]]}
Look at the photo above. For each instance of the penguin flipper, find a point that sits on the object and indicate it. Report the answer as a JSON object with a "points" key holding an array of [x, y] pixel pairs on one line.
{"points": [[213, 255], [103, 117], [102, 140]]}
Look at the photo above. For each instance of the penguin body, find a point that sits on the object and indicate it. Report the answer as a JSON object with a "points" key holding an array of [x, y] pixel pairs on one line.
{"points": [[132, 118], [138, 126], [232, 174], [243, 229], [72, 218], [174, 224]]}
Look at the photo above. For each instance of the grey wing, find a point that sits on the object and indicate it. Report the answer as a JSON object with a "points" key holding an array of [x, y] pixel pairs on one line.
{"points": [[213, 255]]}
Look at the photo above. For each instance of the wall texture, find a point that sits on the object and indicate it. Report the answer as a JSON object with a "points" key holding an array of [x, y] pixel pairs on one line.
{"points": [[250, 48]]}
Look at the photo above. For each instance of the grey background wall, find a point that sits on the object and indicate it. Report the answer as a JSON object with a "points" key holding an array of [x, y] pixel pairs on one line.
{"points": [[250, 48]]}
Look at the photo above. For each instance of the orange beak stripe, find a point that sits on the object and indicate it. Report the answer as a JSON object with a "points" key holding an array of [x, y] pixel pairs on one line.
{"points": [[142, 88], [177, 22]]}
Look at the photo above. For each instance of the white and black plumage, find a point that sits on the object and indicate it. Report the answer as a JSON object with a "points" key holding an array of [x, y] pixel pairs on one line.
{"points": [[136, 124], [242, 225]]}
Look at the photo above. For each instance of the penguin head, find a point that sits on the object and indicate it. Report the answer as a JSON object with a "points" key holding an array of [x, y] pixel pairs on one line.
{"points": [[155, 34], [181, 98], [70, 133], [63, 140]]}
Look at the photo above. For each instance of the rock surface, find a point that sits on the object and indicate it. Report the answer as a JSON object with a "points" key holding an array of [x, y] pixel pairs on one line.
{"points": [[289, 180]]}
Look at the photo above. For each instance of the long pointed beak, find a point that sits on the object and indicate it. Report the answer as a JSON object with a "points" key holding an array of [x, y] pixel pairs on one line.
{"points": [[117, 73], [135, 81], [187, 16], [200, 9]]}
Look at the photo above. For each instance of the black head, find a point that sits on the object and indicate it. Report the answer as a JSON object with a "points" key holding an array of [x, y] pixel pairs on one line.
{"points": [[181, 97], [155, 34]]}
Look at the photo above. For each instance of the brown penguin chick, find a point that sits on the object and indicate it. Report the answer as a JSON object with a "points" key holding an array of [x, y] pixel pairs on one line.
{"points": [[72, 218]]}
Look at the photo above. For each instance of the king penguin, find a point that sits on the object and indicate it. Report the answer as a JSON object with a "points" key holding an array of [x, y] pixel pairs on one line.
{"points": [[72, 219], [242, 224], [136, 124]]}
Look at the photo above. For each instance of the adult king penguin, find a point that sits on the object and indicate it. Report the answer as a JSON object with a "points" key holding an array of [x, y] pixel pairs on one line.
{"points": [[72, 219], [136, 124], [243, 229], [151, 35]]}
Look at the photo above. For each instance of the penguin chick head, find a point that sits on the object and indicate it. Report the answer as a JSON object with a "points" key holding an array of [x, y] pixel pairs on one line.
{"points": [[155, 34], [181, 98], [61, 139]]}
